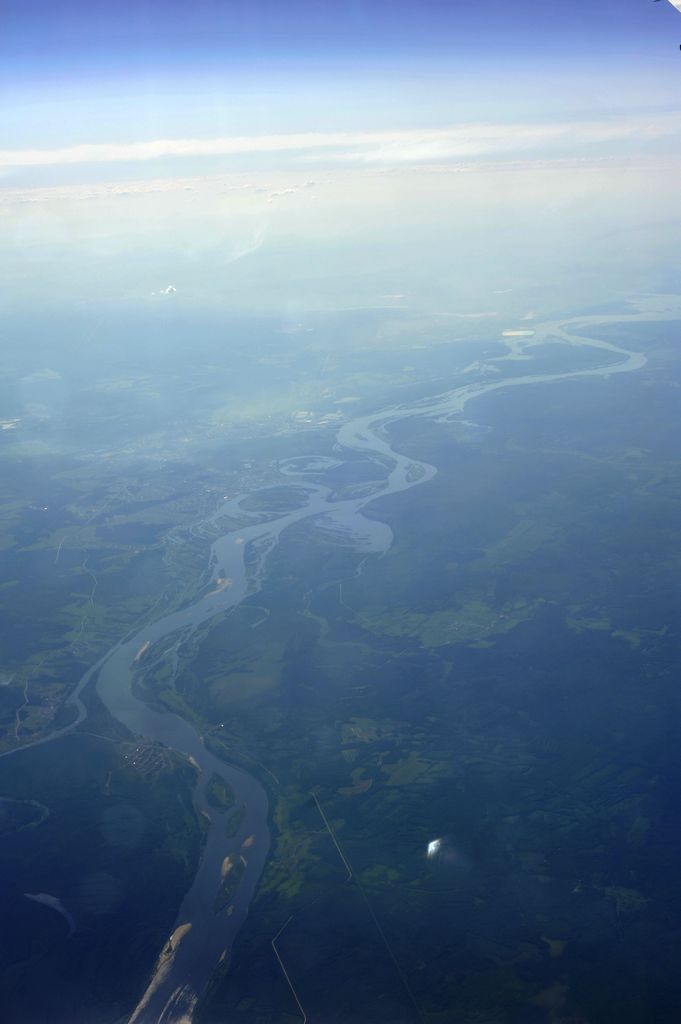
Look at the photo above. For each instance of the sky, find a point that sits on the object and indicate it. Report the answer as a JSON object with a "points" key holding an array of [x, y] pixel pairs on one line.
{"points": [[80, 71], [116, 36], [144, 144]]}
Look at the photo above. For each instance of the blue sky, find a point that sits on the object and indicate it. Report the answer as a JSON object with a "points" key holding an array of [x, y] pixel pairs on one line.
{"points": [[118, 35], [88, 70], [98, 72]]}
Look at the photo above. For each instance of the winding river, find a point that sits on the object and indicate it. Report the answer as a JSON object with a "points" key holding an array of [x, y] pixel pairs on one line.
{"points": [[192, 953]]}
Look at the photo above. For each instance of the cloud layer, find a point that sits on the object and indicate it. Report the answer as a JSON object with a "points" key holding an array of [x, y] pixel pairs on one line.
{"points": [[459, 142]]}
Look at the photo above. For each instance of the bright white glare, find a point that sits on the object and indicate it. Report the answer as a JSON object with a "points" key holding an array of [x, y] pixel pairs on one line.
{"points": [[433, 847]]}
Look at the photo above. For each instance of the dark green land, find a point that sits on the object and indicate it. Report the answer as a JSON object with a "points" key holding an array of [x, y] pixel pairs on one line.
{"points": [[505, 679]]}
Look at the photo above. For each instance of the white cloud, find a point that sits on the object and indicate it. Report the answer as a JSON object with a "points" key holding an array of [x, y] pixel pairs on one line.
{"points": [[457, 142], [281, 193], [114, 190]]}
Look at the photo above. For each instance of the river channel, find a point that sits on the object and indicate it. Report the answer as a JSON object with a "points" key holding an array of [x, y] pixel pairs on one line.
{"points": [[192, 953]]}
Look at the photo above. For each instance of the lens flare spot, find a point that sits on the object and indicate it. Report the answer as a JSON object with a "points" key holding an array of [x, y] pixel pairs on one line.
{"points": [[433, 847]]}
